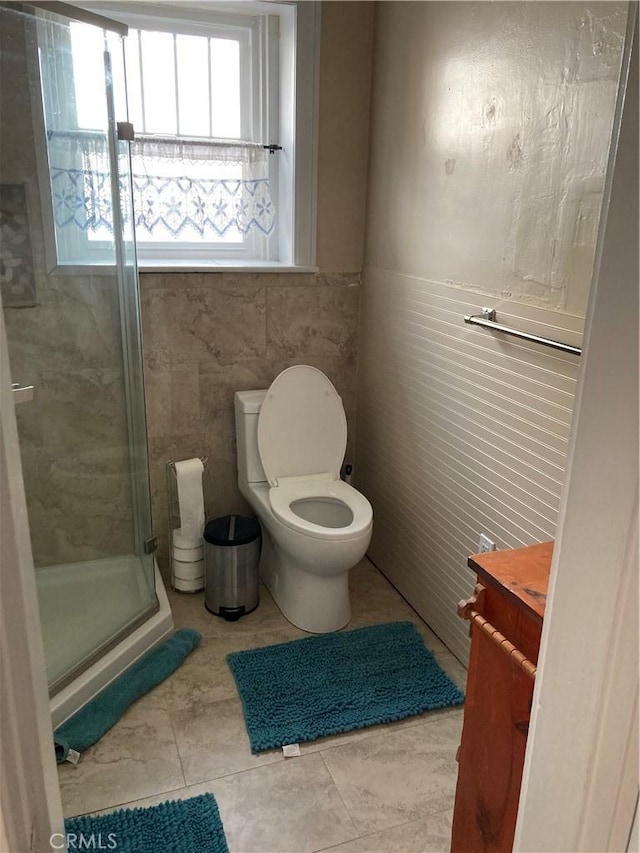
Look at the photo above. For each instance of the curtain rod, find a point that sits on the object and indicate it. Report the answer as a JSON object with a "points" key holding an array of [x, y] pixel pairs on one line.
{"points": [[168, 140]]}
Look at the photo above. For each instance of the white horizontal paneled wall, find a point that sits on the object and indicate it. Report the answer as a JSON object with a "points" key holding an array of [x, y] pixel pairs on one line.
{"points": [[460, 431]]}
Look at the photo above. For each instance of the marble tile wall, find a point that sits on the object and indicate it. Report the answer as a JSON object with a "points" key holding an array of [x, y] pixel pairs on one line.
{"points": [[67, 343], [73, 435], [209, 335]]}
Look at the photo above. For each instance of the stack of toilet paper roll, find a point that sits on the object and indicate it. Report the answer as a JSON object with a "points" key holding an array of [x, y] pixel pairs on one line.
{"points": [[187, 552]]}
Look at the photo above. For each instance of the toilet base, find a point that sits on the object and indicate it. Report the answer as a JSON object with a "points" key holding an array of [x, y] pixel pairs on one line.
{"points": [[313, 602]]}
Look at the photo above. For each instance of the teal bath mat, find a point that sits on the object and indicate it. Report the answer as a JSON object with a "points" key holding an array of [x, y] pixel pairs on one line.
{"points": [[306, 689], [100, 714], [180, 826]]}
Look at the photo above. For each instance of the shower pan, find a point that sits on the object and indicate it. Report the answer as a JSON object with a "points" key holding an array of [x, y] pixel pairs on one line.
{"points": [[69, 286]]}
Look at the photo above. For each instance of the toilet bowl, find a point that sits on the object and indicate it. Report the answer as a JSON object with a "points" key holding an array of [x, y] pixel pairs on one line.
{"points": [[291, 441]]}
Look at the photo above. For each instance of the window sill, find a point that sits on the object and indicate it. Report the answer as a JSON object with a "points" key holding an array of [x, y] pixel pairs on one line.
{"points": [[146, 266]]}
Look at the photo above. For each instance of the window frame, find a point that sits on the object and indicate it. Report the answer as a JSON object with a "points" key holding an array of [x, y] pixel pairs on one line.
{"points": [[238, 32], [293, 172], [257, 88]]}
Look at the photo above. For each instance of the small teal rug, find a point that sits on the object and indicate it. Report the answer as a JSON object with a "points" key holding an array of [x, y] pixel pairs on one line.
{"points": [[101, 713], [178, 826], [305, 689]]}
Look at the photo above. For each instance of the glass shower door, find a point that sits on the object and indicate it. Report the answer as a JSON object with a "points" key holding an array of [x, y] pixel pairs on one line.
{"points": [[129, 293], [71, 304]]}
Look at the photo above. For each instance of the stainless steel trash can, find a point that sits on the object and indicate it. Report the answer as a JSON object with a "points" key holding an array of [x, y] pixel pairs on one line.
{"points": [[231, 558]]}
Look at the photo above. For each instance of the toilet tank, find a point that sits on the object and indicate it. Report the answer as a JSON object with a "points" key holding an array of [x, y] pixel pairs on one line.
{"points": [[247, 408]]}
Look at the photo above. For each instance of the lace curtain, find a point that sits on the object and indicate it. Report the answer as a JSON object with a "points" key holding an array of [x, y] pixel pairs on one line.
{"points": [[181, 189], [80, 171]]}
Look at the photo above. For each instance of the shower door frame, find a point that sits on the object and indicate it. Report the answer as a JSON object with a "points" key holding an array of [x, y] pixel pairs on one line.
{"points": [[143, 536], [144, 540]]}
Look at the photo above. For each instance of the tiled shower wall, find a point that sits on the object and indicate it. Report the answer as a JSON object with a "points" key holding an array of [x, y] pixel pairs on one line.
{"points": [[209, 335], [73, 435], [64, 338]]}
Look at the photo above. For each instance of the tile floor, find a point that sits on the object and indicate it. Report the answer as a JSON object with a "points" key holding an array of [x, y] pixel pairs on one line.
{"points": [[384, 789]]}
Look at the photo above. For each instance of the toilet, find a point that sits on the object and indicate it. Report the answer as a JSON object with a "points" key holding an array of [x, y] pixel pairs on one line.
{"points": [[291, 441]]}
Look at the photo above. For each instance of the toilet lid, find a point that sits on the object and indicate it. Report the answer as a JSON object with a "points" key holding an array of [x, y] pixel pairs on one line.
{"points": [[302, 429]]}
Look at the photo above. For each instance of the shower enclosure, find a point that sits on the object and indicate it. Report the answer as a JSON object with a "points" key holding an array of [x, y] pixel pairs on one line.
{"points": [[70, 297]]}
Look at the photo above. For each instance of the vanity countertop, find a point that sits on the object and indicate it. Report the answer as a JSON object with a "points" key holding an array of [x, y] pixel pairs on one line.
{"points": [[522, 574]]}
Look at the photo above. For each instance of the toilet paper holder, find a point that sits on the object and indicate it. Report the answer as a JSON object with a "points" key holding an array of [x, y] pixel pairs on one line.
{"points": [[178, 583]]}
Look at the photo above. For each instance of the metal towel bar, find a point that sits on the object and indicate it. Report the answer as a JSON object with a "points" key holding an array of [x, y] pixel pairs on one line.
{"points": [[487, 319], [466, 611]]}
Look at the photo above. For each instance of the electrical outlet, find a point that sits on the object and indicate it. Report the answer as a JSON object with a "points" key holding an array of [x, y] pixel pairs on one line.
{"points": [[485, 544]]}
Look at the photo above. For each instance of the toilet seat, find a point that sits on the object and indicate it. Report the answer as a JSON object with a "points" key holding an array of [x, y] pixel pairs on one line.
{"points": [[323, 488], [302, 437], [302, 428]]}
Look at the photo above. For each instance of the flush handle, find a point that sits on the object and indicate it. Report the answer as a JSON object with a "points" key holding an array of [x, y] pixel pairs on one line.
{"points": [[22, 393]]}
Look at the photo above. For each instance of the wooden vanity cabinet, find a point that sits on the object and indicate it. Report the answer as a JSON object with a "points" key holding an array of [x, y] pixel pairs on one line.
{"points": [[510, 598]]}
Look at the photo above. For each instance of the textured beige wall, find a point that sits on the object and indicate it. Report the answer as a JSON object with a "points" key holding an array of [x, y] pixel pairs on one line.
{"points": [[343, 138], [491, 125], [489, 165]]}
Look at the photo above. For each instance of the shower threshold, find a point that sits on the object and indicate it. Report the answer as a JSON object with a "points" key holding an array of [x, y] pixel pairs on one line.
{"points": [[143, 622]]}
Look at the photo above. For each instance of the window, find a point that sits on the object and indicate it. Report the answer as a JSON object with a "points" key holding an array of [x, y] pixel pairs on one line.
{"points": [[223, 104], [204, 104]]}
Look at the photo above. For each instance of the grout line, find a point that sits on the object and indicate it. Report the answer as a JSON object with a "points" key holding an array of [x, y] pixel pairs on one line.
{"points": [[278, 760], [370, 834], [175, 740], [185, 786], [126, 804], [387, 729], [347, 809]]}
